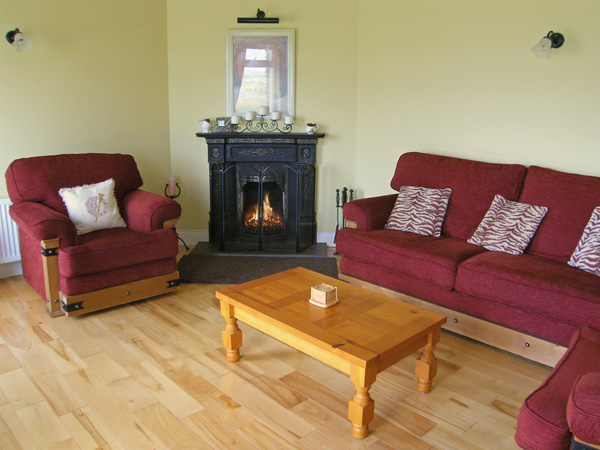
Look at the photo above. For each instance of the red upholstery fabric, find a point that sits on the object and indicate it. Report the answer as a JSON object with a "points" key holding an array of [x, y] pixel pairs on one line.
{"points": [[428, 258], [570, 199], [101, 280], [474, 185], [583, 408], [110, 249], [145, 211], [529, 281], [544, 297], [38, 179], [42, 223], [31, 261], [370, 213], [542, 422], [530, 323]]}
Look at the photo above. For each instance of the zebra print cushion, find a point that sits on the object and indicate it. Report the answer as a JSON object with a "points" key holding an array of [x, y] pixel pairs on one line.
{"points": [[419, 210], [508, 226], [587, 253]]}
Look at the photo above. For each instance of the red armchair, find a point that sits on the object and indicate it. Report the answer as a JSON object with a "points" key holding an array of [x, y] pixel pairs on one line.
{"points": [[77, 274]]}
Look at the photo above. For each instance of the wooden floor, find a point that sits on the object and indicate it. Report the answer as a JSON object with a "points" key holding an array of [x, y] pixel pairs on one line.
{"points": [[153, 375]]}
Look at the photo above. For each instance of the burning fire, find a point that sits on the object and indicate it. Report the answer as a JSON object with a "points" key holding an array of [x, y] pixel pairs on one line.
{"points": [[272, 220]]}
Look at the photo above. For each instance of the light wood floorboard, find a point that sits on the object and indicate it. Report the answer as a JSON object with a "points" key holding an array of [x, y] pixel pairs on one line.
{"points": [[153, 375]]}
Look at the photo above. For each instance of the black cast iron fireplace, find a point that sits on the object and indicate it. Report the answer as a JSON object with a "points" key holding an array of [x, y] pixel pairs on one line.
{"points": [[262, 191]]}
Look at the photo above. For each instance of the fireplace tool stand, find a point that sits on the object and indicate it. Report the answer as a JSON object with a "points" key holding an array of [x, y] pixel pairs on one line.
{"points": [[340, 205]]}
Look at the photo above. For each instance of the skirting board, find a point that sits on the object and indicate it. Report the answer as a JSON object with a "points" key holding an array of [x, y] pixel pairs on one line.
{"points": [[11, 269], [192, 237], [512, 341]]}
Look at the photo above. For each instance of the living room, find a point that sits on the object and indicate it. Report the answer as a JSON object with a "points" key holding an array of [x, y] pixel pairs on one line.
{"points": [[380, 78]]}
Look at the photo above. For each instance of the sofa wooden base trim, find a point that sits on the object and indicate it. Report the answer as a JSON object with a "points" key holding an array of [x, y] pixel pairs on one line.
{"points": [[527, 346], [74, 305]]}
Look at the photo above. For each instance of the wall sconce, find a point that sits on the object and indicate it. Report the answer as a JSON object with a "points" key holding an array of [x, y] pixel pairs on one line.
{"points": [[548, 42], [260, 18], [18, 40]]}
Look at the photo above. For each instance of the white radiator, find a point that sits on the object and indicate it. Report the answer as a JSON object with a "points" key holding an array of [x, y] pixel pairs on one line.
{"points": [[9, 235]]}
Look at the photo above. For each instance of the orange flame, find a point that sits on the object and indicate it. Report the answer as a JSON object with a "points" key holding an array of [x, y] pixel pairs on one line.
{"points": [[271, 218]]}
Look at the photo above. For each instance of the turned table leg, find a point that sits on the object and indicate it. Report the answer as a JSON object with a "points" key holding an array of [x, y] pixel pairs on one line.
{"points": [[232, 335], [426, 367], [361, 409]]}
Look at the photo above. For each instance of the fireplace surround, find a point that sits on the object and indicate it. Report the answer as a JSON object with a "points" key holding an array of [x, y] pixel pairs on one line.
{"points": [[262, 191]]}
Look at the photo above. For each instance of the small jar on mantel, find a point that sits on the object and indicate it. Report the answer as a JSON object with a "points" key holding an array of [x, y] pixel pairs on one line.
{"points": [[312, 128]]}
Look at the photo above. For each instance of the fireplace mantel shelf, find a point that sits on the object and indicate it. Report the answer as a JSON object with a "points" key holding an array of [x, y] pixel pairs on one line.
{"points": [[261, 138], [261, 135]]}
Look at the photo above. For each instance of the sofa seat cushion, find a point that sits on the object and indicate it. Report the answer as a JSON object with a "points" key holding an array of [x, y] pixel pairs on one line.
{"points": [[428, 258], [528, 281], [114, 248], [542, 422], [583, 409], [539, 325]]}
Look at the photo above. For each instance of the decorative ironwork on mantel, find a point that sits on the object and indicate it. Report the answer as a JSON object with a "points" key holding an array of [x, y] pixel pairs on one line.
{"points": [[262, 140], [262, 125]]}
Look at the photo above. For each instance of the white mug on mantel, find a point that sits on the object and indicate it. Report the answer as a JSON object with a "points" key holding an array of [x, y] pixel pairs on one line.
{"points": [[206, 125], [312, 128]]}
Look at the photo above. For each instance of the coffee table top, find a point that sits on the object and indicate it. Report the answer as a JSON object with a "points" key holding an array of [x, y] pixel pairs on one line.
{"points": [[364, 326]]}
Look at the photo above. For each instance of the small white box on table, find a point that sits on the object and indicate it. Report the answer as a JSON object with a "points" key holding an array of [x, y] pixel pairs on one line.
{"points": [[323, 295]]}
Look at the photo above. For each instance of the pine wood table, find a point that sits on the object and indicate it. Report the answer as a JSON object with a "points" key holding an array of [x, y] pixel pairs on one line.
{"points": [[362, 335]]}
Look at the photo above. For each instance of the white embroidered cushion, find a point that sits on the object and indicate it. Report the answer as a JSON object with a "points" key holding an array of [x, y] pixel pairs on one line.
{"points": [[508, 226], [587, 253], [93, 206], [419, 210]]}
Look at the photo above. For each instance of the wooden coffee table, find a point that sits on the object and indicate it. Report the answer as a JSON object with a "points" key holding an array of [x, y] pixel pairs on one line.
{"points": [[364, 334]]}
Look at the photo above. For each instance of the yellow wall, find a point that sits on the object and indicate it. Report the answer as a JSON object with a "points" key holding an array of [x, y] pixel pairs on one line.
{"points": [[326, 42], [458, 78], [95, 81], [381, 77]]}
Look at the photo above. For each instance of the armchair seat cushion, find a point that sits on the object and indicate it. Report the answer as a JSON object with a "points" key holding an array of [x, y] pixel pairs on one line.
{"points": [[426, 258], [100, 280], [105, 250]]}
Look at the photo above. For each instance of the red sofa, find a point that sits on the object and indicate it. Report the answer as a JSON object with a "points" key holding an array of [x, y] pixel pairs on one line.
{"points": [[528, 304], [80, 273]]}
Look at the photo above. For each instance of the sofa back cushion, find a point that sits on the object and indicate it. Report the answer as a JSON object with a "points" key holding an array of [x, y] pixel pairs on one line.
{"points": [[38, 179], [474, 185], [570, 199]]}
